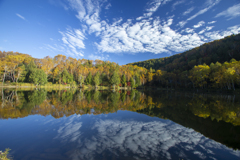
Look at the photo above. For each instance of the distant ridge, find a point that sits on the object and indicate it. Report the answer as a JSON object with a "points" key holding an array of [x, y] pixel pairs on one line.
{"points": [[216, 51]]}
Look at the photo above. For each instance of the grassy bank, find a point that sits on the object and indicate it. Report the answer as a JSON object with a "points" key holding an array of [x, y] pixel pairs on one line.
{"points": [[105, 87], [28, 86]]}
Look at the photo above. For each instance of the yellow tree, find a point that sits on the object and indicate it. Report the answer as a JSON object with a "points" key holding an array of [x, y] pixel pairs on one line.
{"points": [[47, 65], [199, 74], [56, 72], [150, 77], [159, 73], [3, 68], [230, 75], [13, 62]]}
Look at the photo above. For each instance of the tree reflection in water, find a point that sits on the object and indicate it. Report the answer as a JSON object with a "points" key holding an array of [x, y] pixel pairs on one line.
{"points": [[215, 116]]}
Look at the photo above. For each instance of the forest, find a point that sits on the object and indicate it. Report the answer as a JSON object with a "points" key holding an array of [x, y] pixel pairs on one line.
{"points": [[212, 65], [22, 68]]}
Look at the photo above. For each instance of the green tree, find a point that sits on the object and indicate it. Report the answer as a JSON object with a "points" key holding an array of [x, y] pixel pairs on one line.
{"points": [[137, 81], [123, 80], [89, 78], [31, 65], [66, 77], [38, 77], [115, 80], [123, 96], [96, 96], [132, 80], [96, 79], [80, 79]]}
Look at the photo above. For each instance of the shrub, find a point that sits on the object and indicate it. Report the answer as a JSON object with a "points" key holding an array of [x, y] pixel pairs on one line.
{"points": [[4, 155]]}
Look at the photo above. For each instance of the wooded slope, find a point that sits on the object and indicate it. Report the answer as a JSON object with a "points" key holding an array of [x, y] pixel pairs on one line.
{"points": [[217, 51]]}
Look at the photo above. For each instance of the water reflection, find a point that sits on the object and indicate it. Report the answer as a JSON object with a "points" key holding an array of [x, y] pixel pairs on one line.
{"points": [[86, 129], [158, 139]]}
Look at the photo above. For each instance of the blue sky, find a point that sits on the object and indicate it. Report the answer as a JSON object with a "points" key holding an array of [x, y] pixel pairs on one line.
{"points": [[121, 31]]}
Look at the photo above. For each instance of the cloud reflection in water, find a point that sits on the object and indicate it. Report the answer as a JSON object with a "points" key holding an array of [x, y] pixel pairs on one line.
{"points": [[137, 139]]}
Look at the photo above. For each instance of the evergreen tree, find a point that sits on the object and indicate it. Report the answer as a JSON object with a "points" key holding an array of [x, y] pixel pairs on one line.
{"points": [[137, 81], [115, 80], [66, 77], [96, 79], [31, 65], [123, 80], [38, 77], [80, 79], [89, 78]]}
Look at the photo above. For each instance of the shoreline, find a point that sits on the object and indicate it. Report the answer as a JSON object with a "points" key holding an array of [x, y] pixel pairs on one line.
{"points": [[57, 86], [87, 87]]}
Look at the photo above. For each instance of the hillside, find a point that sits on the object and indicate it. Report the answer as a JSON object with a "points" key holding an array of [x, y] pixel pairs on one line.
{"points": [[217, 51]]}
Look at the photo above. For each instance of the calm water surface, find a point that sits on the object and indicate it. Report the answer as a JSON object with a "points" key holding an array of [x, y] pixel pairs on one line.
{"points": [[119, 125]]}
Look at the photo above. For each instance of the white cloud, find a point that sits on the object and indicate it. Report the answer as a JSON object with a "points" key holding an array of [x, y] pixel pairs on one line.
{"points": [[145, 36], [177, 3], [188, 30], [72, 43], [188, 11], [202, 31], [221, 34], [212, 22], [108, 6], [208, 28], [100, 57], [20, 16], [141, 34], [209, 4], [201, 23], [73, 40], [231, 12], [153, 7]]}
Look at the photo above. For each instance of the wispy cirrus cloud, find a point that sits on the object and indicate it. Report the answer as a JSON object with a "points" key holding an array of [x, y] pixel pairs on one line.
{"points": [[208, 5], [175, 4], [72, 43], [231, 12], [146, 33], [188, 11], [20, 16], [152, 7]]}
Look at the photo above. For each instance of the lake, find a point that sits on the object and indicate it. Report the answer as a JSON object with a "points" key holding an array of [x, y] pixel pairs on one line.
{"points": [[70, 124]]}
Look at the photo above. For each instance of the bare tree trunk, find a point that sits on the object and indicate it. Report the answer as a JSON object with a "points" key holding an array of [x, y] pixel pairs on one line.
{"points": [[2, 98]]}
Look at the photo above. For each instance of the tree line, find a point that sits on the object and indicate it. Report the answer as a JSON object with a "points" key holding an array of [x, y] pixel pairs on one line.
{"points": [[216, 75], [16, 67]]}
